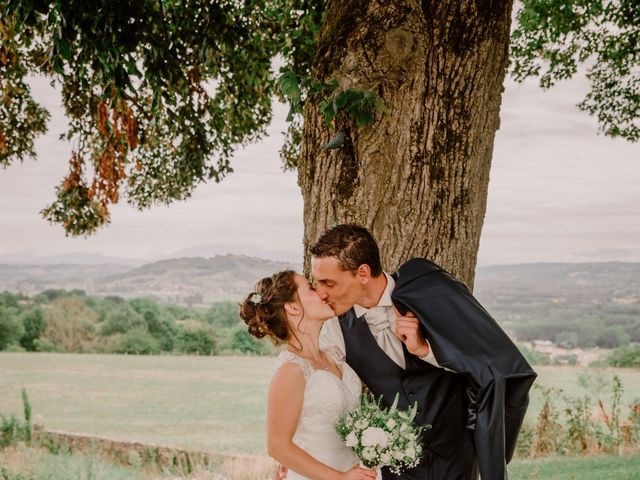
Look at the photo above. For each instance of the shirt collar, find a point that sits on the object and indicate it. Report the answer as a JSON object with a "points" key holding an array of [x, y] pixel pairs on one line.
{"points": [[385, 299]]}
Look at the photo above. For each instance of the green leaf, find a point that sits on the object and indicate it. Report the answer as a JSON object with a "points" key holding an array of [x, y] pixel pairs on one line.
{"points": [[363, 118], [340, 100], [290, 114], [57, 66], [132, 69], [327, 109], [288, 86], [65, 49]]}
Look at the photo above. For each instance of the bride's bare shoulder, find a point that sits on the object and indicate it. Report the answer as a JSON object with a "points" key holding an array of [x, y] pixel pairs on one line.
{"points": [[287, 384]]}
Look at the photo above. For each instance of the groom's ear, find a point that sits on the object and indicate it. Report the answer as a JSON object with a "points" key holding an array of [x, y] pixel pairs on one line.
{"points": [[363, 273]]}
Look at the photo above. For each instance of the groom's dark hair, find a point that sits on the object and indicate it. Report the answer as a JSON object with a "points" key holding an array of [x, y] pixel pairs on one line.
{"points": [[352, 245]]}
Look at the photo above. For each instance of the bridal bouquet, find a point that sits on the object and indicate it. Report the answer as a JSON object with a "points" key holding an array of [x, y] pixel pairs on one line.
{"points": [[383, 437]]}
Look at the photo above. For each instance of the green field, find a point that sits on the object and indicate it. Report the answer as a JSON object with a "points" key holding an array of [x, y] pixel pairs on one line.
{"points": [[212, 403], [215, 403], [567, 468]]}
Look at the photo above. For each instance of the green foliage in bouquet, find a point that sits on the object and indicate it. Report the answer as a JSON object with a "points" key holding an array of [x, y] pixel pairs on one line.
{"points": [[383, 437]]}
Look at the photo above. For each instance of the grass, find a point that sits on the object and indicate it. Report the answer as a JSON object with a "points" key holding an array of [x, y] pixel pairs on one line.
{"points": [[567, 468], [24, 463], [208, 403], [21, 462], [27, 463], [213, 403], [566, 378]]}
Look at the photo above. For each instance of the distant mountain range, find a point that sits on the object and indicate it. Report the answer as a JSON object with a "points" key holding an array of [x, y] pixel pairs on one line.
{"points": [[206, 251], [559, 283], [191, 281], [202, 281], [77, 258]]}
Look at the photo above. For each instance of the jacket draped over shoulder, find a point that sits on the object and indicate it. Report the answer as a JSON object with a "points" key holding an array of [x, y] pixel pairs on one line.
{"points": [[467, 340]]}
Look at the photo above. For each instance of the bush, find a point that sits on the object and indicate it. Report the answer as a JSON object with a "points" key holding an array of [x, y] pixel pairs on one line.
{"points": [[10, 327], [52, 294], [13, 430], [243, 342], [525, 441], [548, 430], [612, 338], [15, 347], [567, 339], [46, 345], [223, 315], [159, 321], [533, 357], [198, 339], [10, 430], [628, 357], [9, 300], [122, 320], [34, 326], [70, 324], [137, 342]]}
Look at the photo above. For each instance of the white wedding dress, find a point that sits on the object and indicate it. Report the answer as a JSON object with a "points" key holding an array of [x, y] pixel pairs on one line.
{"points": [[326, 399]]}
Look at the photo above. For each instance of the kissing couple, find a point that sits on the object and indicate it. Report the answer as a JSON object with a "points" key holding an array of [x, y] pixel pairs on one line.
{"points": [[418, 334]]}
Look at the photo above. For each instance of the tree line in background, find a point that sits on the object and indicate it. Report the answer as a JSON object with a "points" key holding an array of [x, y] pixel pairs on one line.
{"points": [[584, 325], [71, 321]]}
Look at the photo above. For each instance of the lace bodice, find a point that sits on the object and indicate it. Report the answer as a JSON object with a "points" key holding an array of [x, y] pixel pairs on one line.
{"points": [[327, 398]]}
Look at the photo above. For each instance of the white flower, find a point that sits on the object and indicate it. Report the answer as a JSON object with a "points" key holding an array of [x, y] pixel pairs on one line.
{"points": [[381, 436], [411, 453], [256, 298], [368, 453], [374, 436]]}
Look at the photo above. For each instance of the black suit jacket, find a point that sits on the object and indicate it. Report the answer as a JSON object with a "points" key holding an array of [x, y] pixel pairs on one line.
{"points": [[466, 339]]}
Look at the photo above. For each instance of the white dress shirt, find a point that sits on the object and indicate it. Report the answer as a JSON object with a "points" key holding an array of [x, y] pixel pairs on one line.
{"points": [[381, 320]]}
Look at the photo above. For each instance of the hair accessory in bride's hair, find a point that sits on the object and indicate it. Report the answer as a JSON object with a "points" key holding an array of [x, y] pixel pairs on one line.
{"points": [[256, 299]]}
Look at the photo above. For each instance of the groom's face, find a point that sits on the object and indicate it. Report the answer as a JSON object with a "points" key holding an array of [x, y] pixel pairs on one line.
{"points": [[339, 288]]}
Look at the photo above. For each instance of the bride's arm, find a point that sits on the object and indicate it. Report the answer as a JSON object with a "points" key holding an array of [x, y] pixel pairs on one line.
{"points": [[284, 405]]}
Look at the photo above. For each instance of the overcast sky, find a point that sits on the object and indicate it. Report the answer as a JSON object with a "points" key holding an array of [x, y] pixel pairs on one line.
{"points": [[558, 192]]}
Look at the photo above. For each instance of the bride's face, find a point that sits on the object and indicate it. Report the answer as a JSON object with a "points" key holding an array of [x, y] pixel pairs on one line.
{"points": [[313, 307]]}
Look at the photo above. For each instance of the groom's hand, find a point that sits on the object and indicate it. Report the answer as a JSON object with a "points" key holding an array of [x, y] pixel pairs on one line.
{"points": [[408, 331]]}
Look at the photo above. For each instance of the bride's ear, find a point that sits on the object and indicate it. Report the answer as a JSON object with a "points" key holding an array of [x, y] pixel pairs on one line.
{"points": [[292, 308]]}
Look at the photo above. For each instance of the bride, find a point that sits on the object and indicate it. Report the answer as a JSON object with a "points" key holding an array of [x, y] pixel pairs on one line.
{"points": [[309, 390]]}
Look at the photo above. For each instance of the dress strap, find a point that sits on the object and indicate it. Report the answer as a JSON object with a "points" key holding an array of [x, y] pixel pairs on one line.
{"points": [[290, 357]]}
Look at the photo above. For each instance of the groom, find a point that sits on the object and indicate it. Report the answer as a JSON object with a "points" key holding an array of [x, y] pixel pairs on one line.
{"points": [[420, 333]]}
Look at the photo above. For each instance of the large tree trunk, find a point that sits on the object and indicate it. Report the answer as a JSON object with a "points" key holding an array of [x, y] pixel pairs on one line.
{"points": [[417, 177]]}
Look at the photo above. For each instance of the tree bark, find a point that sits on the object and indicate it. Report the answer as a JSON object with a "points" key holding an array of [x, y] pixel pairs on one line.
{"points": [[418, 177]]}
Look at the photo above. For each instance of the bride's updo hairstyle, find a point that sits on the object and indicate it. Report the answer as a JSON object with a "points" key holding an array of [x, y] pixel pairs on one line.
{"points": [[263, 309]]}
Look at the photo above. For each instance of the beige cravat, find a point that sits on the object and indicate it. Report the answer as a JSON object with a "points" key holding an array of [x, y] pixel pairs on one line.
{"points": [[381, 320]]}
